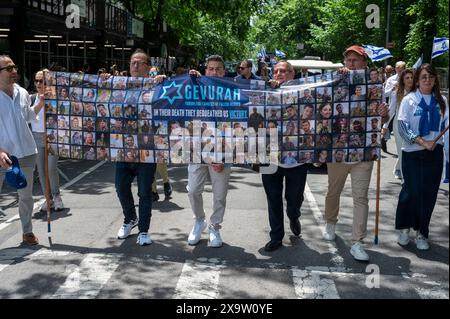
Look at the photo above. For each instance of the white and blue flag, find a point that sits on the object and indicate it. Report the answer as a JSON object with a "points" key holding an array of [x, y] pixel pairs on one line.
{"points": [[440, 46], [377, 53], [280, 53], [263, 53], [418, 62]]}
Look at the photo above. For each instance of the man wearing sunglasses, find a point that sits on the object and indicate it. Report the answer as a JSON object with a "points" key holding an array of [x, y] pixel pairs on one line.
{"points": [[245, 70], [16, 138]]}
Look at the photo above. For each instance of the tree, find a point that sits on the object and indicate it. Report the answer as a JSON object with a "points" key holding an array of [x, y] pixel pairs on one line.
{"points": [[283, 24], [208, 26], [431, 19]]}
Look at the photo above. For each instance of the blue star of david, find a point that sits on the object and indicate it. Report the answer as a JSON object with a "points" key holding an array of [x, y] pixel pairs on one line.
{"points": [[166, 90]]}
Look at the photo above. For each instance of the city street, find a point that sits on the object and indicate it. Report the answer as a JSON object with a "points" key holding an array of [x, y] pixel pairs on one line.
{"points": [[86, 260]]}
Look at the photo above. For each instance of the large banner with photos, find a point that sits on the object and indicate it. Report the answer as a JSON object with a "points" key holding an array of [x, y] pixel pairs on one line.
{"points": [[324, 118]]}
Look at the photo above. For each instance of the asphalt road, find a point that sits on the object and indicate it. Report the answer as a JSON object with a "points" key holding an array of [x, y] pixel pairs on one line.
{"points": [[86, 260]]}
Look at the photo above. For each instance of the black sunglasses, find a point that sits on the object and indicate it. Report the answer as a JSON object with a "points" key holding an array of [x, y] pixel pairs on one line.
{"points": [[9, 68], [39, 81], [242, 67]]}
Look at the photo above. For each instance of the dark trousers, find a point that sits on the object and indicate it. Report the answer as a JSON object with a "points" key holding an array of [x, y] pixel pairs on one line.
{"points": [[273, 186], [125, 174], [422, 171]]}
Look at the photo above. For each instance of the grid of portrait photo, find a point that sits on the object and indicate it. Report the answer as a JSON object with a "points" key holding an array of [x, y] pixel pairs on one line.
{"points": [[89, 117], [336, 121], [328, 118]]}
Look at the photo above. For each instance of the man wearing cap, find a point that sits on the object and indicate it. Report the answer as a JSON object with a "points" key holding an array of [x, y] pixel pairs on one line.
{"points": [[354, 58], [17, 140]]}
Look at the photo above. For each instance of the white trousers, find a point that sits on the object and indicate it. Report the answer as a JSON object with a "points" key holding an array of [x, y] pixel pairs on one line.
{"points": [[197, 175]]}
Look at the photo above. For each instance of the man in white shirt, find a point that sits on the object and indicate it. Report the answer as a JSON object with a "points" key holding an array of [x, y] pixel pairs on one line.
{"points": [[16, 138], [218, 173], [391, 82]]}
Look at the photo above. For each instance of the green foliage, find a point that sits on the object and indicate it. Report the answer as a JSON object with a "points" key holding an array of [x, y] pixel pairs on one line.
{"points": [[431, 19], [207, 26], [238, 28]]}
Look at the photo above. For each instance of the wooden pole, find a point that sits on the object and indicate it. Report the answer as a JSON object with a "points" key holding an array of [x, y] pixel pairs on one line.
{"points": [[47, 180], [440, 135], [377, 205]]}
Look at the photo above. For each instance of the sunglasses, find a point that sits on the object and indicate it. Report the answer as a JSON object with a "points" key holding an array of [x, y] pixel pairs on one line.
{"points": [[39, 81], [10, 68], [242, 67]]}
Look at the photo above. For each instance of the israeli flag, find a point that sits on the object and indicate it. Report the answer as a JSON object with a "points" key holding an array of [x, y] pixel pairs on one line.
{"points": [[377, 53], [440, 46], [263, 53], [279, 53], [418, 62]]}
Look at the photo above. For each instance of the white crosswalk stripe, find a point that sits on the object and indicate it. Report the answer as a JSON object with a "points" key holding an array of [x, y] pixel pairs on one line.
{"points": [[87, 280], [198, 280]]}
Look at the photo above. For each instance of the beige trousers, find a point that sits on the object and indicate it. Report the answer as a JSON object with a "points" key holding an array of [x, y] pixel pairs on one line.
{"points": [[360, 177]]}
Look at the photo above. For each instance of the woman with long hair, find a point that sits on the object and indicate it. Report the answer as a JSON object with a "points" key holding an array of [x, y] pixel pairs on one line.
{"points": [[421, 117], [404, 86]]}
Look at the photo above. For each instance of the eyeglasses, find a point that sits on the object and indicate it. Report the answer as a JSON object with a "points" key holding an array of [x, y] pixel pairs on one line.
{"points": [[39, 81], [427, 77], [10, 68], [242, 67]]}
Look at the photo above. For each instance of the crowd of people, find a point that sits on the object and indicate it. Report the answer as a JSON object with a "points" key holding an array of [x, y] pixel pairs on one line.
{"points": [[416, 108]]}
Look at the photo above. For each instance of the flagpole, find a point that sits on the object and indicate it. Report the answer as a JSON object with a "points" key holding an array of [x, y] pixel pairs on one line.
{"points": [[377, 202], [47, 180]]}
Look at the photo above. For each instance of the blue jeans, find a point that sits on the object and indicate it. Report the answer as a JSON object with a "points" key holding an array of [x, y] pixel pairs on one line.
{"points": [[125, 174]]}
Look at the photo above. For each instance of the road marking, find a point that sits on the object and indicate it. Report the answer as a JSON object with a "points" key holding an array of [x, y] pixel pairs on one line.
{"points": [[430, 289], [9, 221], [88, 279], [198, 280], [9, 256], [76, 179], [66, 185], [310, 285], [336, 259]]}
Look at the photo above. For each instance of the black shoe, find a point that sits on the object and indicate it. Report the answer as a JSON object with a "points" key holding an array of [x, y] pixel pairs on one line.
{"points": [[155, 197], [295, 225], [272, 245], [167, 189]]}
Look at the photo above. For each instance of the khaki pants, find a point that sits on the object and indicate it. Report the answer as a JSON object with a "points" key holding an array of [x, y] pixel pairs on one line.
{"points": [[360, 176], [161, 169], [25, 194]]}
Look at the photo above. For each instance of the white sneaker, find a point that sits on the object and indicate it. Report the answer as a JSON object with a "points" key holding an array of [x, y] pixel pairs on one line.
{"points": [[196, 232], [125, 230], [422, 242], [43, 206], [358, 252], [57, 201], [329, 233], [144, 239], [403, 237], [214, 238]]}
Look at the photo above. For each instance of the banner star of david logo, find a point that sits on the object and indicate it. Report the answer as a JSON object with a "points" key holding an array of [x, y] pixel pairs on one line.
{"points": [[169, 92]]}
